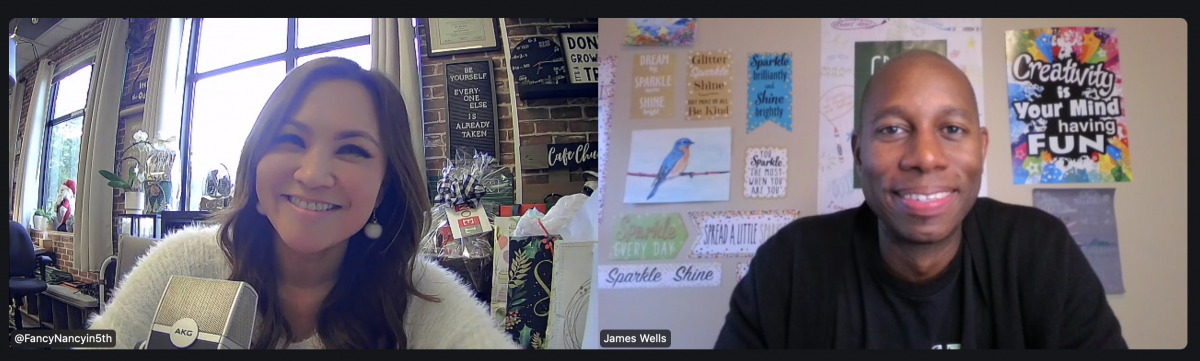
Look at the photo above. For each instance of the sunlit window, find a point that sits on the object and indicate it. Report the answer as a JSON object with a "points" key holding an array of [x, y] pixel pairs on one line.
{"points": [[237, 63], [64, 130]]}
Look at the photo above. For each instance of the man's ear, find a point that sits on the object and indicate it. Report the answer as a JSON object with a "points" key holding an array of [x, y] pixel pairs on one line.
{"points": [[854, 149], [984, 132]]}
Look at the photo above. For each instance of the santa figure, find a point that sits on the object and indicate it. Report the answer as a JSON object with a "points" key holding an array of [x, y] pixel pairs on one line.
{"points": [[62, 207]]}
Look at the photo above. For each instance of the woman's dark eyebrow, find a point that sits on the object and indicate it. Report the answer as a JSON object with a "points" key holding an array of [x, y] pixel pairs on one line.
{"points": [[341, 136]]}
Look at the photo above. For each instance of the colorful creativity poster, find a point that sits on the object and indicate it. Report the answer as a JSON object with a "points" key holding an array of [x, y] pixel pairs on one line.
{"points": [[653, 86], [770, 90], [1091, 218], [731, 234], [1066, 106], [679, 165], [660, 31], [851, 48], [742, 268], [766, 173], [648, 236], [710, 84], [608, 83]]}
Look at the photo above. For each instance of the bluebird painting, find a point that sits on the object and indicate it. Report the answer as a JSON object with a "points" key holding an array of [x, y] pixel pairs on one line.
{"points": [[673, 164], [679, 165]]}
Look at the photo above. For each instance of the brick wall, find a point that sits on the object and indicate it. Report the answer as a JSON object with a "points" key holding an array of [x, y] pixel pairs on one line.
{"points": [[552, 121], [433, 95], [86, 39], [545, 121]]}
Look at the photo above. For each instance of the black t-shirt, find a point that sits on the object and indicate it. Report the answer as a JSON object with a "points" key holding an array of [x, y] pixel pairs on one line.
{"points": [[903, 315], [1022, 283]]}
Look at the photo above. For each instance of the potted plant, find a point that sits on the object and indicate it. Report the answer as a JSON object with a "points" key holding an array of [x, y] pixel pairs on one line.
{"points": [[133, 197], [42, 219]]}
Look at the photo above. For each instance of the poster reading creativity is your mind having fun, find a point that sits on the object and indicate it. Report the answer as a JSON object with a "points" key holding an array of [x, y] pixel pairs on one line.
{"points": [[1066, 106]]}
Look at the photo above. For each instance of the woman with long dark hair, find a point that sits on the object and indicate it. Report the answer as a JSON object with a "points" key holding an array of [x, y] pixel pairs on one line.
{"points": [[325, 223]]}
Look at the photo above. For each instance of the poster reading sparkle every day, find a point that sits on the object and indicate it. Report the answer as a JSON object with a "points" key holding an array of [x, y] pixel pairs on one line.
{"points": [[1066, 106], [852, 49]]}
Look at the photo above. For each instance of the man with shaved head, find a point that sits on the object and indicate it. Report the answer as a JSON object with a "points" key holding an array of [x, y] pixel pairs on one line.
{"points": [[924, 263]]}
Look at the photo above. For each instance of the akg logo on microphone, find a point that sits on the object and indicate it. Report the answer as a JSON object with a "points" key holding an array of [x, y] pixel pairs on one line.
{"points": [[184, 333]]}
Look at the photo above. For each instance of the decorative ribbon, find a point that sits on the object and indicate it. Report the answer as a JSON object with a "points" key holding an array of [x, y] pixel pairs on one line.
{"points": [[460, 190]]}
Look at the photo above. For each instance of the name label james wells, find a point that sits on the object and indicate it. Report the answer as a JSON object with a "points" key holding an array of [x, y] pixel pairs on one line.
{"points": [[635, 338]]}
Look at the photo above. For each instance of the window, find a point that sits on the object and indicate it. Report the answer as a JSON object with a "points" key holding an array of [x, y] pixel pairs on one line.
{"points": [[234, 65], [64, 130]]}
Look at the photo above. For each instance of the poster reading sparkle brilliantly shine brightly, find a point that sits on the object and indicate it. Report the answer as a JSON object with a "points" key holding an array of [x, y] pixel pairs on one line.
{"points": [[1066, 106]]}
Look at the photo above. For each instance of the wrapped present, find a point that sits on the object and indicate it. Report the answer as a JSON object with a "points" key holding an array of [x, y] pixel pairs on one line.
{"points": [[460, 224]]}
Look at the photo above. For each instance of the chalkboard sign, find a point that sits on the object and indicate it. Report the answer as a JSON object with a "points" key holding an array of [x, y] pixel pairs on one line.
{"points": [[471, 106]]}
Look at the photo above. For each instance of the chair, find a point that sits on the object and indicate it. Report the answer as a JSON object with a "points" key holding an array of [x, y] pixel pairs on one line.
{"points": [[22, 269], [129, 250]]}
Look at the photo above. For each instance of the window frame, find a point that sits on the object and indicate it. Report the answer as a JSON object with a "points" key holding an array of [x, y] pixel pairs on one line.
{"points": [[289, 56], [62, 72]]}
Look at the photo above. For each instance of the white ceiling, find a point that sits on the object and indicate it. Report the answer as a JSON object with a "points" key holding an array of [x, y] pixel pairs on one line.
{"points": [[47, 41]]}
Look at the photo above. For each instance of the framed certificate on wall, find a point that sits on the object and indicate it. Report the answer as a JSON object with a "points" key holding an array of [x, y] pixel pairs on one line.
{"points": [[449, 36]]}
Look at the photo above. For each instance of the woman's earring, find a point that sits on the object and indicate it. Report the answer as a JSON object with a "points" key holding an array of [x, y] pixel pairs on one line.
{"points": [[373, 230], [260, 209]]}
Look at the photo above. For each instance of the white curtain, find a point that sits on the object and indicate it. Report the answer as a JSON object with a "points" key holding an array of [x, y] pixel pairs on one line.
{"points": [[29, 170], [162, 115], [15, 99], [394, 53], [97, 150]]}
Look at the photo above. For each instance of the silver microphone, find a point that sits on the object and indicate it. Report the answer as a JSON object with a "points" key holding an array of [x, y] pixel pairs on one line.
{"points": [[201, 313]]}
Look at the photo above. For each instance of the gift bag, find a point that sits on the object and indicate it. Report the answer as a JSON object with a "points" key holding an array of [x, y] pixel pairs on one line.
{"points": [[459, 233], [500, 261], [532, 271]]}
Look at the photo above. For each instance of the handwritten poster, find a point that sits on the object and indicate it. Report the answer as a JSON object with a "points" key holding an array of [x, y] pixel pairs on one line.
{"points": [[1091, 219], [742, 268], [766, 173], [653, 86], [648, 236], [710, 84], [851, 49], [736, 233], [770, 90], [1066, 106], [663, 275]]}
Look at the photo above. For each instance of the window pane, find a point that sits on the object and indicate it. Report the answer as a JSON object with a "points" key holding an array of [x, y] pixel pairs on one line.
{"points": [[223, 112], [359, 54], [317, 31], [62, 161], [72, 92], [225, 42]]}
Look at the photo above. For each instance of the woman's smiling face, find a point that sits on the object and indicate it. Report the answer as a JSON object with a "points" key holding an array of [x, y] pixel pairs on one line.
{"points": [[321, 177]]}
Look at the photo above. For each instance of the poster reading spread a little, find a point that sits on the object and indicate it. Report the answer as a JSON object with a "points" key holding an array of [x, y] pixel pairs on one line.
{"points": [[710, 84], [653, 86], [1067, 106], [732, 234]]}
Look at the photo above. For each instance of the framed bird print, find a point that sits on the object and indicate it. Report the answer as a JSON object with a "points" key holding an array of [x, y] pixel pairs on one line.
{"points": [[679, 165]]}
